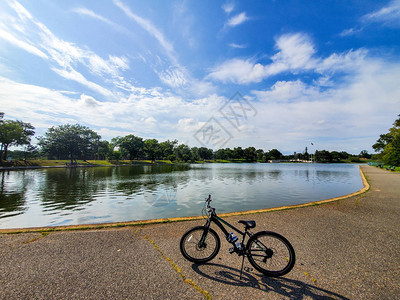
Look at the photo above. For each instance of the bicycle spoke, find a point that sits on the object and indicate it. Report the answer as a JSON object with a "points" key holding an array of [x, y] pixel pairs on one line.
{"points": [[275, 259], [195, 249]]}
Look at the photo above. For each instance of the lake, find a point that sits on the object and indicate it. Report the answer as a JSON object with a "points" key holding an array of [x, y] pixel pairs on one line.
{"points": [[70, 196]]}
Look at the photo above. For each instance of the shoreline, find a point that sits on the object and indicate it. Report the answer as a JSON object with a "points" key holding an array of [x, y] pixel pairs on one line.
{"points": [[84, 166], [149, 163], [97, 226]]}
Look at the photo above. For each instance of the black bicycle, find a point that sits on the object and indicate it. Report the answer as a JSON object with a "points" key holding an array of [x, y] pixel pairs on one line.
{"points": [[268, 252]]}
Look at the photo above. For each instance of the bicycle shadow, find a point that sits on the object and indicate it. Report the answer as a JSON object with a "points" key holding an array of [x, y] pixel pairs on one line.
{"points": [[290, 288]]}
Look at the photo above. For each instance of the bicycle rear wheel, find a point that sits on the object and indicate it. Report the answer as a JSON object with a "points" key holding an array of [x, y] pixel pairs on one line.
{"points": [[196, 250], [270, 253]]}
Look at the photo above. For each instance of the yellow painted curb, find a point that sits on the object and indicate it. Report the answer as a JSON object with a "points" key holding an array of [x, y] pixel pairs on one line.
{"points": [[181, 219]]}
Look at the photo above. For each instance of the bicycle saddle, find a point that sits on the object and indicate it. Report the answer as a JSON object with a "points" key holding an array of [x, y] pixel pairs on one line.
{"points": [[248, 224]]}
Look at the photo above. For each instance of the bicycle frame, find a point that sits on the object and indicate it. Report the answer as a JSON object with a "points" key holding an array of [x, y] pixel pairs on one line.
{"points": [[218, 221]]}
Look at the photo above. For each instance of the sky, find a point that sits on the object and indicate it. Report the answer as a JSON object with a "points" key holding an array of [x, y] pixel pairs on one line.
{"points": [[267, 74]]}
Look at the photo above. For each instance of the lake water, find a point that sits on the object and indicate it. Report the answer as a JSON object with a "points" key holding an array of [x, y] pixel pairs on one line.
{"points": [[51, 197]]}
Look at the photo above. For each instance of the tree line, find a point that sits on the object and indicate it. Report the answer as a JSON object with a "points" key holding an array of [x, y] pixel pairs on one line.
{"points": [[14, 133], [388, 145], [77, 142]]}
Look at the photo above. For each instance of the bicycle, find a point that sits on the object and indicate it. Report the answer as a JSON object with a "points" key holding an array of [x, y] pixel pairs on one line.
{"points": [[268, 252]]}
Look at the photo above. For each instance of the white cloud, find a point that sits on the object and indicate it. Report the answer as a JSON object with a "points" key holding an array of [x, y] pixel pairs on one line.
{"points": [[146, 113], [184, 22], [87, 12], [228, 7], [21, 44], [173, 77], [149, 27], [21, 11], [144, 116], [239, 46], [387, 15], [290, 113], [89, 101], [285, 91], [238, 71], [347, 61], [65, 58], [188, 125], [350, 32], [113, 66], [71, 74], [295, 53], [348, 116], [237, 20]]}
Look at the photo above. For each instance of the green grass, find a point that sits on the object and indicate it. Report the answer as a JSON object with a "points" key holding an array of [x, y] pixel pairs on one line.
{"points": [[64, 162], [385, 167], [396, 169]]}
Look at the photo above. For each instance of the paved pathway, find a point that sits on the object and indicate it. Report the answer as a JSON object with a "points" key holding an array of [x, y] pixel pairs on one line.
{"points": [[347, 249]]}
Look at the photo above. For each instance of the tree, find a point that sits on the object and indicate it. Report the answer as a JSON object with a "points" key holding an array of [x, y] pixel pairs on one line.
{"points": [[250, 154], [205, 153], [220, 154], [391, 154], [229, 153], [323, 156], [344, 155], [167, 149], [132, 146], [274, 154], [30, 151], [260, 154], [195, 153], [70, 142], [336, 156], [105, 150], [14, 133], [184, 153], [238, 153], [381, 143], [152, 149], [389, 145], [364, 154]]}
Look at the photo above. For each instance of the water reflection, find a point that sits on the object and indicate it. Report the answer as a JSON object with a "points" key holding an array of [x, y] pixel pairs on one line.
{"points": [[110, 194], [274, 174], [148, 179], [12, 193], [69, 188], [247, 173]]}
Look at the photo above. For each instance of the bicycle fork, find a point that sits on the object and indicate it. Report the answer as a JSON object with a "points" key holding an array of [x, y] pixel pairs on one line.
{"points": [[202, 242]]}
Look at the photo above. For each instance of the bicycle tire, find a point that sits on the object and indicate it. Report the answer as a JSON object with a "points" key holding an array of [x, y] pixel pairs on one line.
{"points": [[196, 253], [270, 253]]}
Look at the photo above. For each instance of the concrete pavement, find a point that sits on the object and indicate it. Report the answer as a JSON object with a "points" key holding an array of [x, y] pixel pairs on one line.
{"points": [[347, 249]]}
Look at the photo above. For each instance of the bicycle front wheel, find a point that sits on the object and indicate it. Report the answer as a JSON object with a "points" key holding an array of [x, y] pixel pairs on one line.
{"points": [[270, 253], [200, 244]]}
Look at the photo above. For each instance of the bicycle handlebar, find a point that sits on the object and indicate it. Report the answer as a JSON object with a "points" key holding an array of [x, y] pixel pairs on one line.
{"points": [[208, 200], [208, 206]]}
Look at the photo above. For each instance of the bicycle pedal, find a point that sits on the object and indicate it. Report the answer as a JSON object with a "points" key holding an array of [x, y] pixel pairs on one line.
{"points": [[231, 250]]}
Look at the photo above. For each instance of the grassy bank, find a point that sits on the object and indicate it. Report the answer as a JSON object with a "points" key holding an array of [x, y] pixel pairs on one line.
{"points": [[91, 163], [65, 163]]}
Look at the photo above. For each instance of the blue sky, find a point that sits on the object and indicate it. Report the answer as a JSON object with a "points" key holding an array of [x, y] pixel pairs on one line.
{"points": [[268, 74]]}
